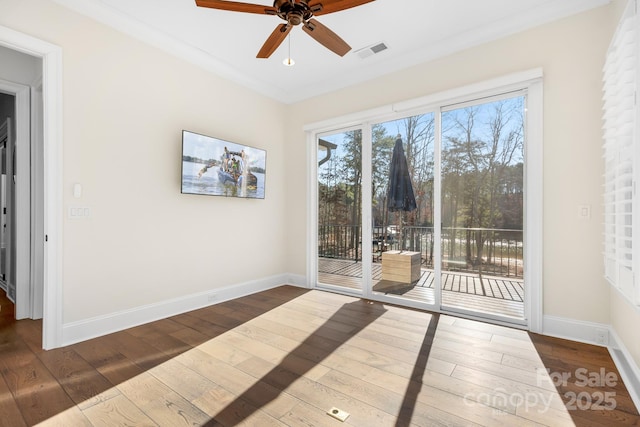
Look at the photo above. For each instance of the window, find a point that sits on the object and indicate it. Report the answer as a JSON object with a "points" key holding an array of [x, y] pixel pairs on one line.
{"points": [[620, 151], [349, 198]]}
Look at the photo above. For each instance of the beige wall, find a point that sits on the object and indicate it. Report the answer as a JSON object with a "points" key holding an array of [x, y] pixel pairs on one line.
{"points": [[125, 105], [571, 53]]}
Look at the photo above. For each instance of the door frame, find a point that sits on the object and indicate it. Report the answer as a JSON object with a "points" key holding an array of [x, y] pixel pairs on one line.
{"points": [[51, 55], [531, 81], [37, 201]]}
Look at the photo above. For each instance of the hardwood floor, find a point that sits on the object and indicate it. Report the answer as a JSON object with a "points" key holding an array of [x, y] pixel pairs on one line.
{"points": [[285, 357]]}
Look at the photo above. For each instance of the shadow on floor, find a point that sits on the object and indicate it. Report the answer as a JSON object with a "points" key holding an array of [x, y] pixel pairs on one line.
{"points": [[298, 362], [395, 288]]}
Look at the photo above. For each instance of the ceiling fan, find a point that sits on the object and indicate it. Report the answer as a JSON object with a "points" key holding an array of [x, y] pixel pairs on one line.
{"points": [[294, 12]]}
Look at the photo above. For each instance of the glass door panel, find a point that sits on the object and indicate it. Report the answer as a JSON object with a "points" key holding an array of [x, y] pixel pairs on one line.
{"points": [[482, 221], [339, 210], [402, 181]]}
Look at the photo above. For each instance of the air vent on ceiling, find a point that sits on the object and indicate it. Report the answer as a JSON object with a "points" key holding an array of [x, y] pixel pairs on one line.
{"points": [[371, 50]]}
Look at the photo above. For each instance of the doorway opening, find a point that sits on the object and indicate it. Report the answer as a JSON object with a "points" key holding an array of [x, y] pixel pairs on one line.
{"points": [[6, 103], [39, 240], [15, 195]]}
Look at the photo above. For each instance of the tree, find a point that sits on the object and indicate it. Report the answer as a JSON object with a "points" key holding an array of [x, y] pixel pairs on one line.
{"points": [[481, 175], [482, 148], [382, 147], [351, 170], [417, 133]]}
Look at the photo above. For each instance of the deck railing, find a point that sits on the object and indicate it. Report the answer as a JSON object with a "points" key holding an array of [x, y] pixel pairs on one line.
{"points": [[479, 250], [339, 241]]}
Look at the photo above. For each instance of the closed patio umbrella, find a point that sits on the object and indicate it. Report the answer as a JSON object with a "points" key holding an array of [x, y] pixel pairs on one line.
{"points": [[400, 197]]}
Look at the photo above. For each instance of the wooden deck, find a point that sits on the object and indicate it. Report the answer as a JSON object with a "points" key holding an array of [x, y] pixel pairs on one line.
{"points": [[491, 294]]}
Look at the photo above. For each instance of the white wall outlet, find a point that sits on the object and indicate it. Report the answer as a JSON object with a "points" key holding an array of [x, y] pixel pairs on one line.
{"points": [[79, 212], [602, 336], [584, 212], [211, 298]]}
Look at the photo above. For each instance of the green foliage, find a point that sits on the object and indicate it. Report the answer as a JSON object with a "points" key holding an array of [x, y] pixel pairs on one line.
{"points": [[482, 160]]}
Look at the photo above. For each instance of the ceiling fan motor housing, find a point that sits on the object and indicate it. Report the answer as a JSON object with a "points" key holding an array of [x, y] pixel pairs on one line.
{"points": [[295, 13]]}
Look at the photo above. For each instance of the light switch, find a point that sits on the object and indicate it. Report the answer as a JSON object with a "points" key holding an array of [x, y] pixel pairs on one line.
{"points": [[77, 190]]}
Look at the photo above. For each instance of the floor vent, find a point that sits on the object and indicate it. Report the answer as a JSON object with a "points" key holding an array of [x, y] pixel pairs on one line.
{"points": [[371, 50]]}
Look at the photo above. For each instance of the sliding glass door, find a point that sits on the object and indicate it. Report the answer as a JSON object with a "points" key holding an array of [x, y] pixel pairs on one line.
{"points": [[402, 208], [339, 207], [428, 210], [482, 208]]}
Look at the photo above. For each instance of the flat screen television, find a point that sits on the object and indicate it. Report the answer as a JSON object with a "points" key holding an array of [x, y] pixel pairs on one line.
{"points": [[215, 167]]}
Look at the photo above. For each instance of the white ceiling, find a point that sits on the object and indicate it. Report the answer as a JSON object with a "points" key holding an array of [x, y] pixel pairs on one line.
{"points": [[415, 31]]}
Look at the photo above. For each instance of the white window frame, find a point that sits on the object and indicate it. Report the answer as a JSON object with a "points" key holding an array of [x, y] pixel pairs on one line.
{"points": [[529, 81]]}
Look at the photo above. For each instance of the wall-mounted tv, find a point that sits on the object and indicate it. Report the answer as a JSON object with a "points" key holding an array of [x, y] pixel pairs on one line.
{"points": [[216, 167]]}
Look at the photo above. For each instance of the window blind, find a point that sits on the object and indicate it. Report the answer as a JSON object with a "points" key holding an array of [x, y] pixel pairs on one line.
{"points": [[620, 146]]}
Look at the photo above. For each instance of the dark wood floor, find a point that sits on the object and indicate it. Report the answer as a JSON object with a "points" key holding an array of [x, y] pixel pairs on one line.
{"points": [[286, 356]]}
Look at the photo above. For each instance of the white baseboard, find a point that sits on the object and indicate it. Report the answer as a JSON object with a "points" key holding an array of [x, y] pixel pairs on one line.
{"points": [[602, 335], [576, 330], [299, 280], [102, 325], [626, 366]]}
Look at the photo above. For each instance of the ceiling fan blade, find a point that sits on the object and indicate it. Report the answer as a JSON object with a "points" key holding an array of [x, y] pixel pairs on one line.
{"points": [[274, 40], [322, 7], [237, 6], [326, 37]]}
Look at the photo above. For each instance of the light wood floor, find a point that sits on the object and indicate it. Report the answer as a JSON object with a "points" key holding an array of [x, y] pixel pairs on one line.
{"points": [[285, 357]]}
